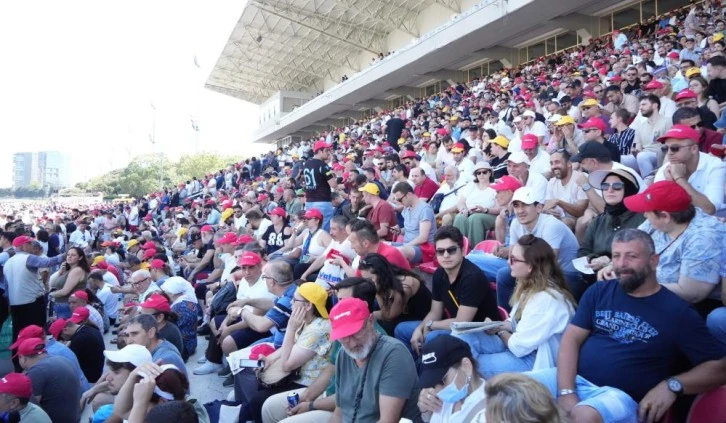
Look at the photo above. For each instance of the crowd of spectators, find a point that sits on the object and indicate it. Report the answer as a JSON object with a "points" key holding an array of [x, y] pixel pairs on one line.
{"points": [[563, 217]]}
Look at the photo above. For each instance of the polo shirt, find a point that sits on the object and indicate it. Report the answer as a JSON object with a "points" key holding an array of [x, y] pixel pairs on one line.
{"points": [[708, 178]]}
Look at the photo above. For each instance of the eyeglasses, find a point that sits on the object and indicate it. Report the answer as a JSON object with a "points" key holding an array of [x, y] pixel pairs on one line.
{"points": [[399, 199], [450, 251], [267, 278], [482, 172], [616, 186], [589, 130], [513, 260], [674, 148], [299, 301]]}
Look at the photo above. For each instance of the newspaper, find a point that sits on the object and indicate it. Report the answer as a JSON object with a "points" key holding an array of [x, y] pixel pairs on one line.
{"points": [[468, 327]]}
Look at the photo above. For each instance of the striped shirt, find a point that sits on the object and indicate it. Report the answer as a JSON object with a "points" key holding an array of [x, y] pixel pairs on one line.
{"points": [[623, 140]]}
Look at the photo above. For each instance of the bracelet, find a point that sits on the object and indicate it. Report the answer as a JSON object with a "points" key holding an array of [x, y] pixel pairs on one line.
{"points": [[311, 405], [563, 392], [501, 332]]}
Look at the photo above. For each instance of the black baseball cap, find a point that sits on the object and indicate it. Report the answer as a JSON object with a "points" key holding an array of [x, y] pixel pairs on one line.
{"points": [[591, 150], [438, 356]]}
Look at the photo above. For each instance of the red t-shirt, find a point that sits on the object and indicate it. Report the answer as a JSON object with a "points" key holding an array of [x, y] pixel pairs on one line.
{"points": [[393, 255], [383, 213], [426, 190]]}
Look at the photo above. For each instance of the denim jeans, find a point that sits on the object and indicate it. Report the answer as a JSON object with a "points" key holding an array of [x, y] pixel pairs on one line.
{"points": [[493, 357], [404, 331], [613, 405], [716, 322], [326, 208]]}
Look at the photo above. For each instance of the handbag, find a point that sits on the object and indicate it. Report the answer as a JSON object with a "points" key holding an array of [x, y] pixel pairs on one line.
{"points": [[437, 199], [273, 376]]}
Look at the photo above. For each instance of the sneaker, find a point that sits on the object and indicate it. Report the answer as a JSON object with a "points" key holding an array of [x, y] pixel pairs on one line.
{"points": [[226, 371], [202, 360], [228, 381], [207, 368]]}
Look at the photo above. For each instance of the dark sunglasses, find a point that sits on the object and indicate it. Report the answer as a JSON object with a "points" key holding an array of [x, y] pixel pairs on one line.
{"points": [[616, 186], [450, 250], [674, 148], [482, 172]]}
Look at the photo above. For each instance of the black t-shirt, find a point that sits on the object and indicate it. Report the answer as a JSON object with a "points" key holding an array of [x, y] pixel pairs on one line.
{"points": [[614, 151], [275, 240], [499, 166], [316, 174], [471, 288], [203, 251], [87, 345], [717, 89], [394, 127]]}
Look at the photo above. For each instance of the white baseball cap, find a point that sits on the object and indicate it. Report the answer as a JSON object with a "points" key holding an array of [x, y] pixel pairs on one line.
{"points": [[134, 354], [518, 157], [524, 195], [529, 113]]}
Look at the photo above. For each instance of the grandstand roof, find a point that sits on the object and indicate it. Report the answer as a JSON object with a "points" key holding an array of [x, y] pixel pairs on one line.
{"points": [[289, 44]]}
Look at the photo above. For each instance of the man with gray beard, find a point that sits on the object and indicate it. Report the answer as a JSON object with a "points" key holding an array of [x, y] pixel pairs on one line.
{"points": [[376, 377], [622, 356]]}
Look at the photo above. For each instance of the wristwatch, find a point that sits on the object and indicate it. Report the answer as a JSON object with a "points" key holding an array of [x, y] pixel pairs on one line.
{"points": [[675, 386], [586, 187], [429, 324]]}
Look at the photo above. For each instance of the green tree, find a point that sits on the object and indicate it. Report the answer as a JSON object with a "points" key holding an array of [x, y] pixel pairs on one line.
{"points": [[201, 164]]}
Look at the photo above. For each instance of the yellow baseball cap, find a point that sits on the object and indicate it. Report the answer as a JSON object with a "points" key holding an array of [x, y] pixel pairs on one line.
{"points": [[426, 134], [501, 141], [98, 260], [226, 214], [718, 36], [132, 243], [370, 188], [317, 295], [565, 120], [589, 103], [182, 231], [401, 141], [692, 72]]}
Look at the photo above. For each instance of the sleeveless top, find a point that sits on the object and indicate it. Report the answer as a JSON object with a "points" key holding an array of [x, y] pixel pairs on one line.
{"points": [[417, 306], [60, 281], [315, 249], [275, 240]]}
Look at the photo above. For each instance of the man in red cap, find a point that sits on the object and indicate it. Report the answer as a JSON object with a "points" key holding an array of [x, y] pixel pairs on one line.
{"points": [[158, 306], [390, 374], [702, 120], [17, 389], [79, 299], [595, 130], [86, 342], [647, 131], [539, 159], [319, 181], [55, 384], [465, 166]]}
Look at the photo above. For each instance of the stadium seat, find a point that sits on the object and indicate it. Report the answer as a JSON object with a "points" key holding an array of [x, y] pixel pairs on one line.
{"points": [[503, 313], [709, 407], [430, 266], [487, 246]]}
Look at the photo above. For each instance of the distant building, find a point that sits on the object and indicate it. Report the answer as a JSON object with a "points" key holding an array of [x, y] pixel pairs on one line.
{"points": [[51, 169]]}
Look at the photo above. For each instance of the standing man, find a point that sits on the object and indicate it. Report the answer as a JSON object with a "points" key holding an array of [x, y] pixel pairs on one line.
{"points": [[376, 378], [318, 181]]}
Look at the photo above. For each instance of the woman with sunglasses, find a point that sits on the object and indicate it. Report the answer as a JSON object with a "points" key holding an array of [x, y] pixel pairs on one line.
{"points": [[616, 184], [541, 310], [400, 294], [477, 205]]}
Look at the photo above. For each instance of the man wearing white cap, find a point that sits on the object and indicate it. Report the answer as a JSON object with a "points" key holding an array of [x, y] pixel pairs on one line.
{"points": [[533, 126], [518, 166]]}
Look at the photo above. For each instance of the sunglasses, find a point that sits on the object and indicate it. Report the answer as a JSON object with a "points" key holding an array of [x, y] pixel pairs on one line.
{"points": [[481, 172], [674, 148], [450, 251], [616, 186]]}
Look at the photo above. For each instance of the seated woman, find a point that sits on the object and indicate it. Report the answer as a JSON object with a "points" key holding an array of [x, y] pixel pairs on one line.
{"points": [[400, 294], [305, 349], [277, 234], [477, 206], [616, 184], [453, 390], [541, 309], [310, 244], [518, 398], [185, 305]]}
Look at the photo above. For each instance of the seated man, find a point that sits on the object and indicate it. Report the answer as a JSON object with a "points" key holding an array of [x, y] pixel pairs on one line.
{"points": [[531, 220], [621, 358], [17, 390], [364, 240], [376, 377], [381, 213], [461, 293], [419, 223], [450, 189], [143, 330], [564, 199]]}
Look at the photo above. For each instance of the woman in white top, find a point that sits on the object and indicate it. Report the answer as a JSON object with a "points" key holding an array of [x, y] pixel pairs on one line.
{"points": [[541, 309], [477, 205], [452, 390], [310, 244]]}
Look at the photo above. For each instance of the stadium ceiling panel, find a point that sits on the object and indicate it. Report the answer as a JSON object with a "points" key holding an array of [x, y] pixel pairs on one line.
{"points": [[295, 44]]}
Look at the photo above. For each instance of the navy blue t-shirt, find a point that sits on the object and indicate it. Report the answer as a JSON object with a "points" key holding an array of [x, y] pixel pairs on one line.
{"points": [[635, 343]]}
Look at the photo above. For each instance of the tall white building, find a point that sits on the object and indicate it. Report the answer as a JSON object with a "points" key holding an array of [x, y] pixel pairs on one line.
{"points": [[42, 169]]}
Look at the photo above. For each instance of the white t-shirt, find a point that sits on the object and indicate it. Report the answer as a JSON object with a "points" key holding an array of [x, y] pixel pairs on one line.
{"points": [[449, 201], [541, 163], [263, 228], [109, 300], [538, 183], [229, 263], [570, 193], [258, 290], [478, 197], [331, 273], [466, 170]]}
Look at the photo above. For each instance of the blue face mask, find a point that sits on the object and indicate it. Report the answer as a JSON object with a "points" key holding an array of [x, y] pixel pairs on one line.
{"points": [[451, 394]]}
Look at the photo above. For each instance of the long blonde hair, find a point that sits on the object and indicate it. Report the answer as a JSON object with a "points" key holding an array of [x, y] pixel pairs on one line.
{"points": [[514, 397], [546, 273]]}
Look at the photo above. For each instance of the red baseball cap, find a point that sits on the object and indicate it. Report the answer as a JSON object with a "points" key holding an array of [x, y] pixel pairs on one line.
{"points": [[210, 203], [56, 328], [529, 141], [249, 258], [507, 183], [149, 254], [262, 197], [319, 145], [147, 218], [157, 264], [81, 294], [148, 245], [593, 123], [616, 78], [278, 211], [17, 385], [314, 214], [409, 155], [653, 85], [244, 239], [157, 302], [228, 238], [674, 55], [30, 346], [348, 317], [227, 204], [457, 148], [32, 331], [79, 315], [665, 196], [685, 94], [22, 240], [681, 132], [207, 228]]}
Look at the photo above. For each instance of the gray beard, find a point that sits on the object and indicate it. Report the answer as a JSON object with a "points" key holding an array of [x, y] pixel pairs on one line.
{"points": [[363, 353]]}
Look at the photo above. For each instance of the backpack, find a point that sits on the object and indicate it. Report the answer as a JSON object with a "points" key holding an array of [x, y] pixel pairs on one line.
{"points": [[223, 298]]}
